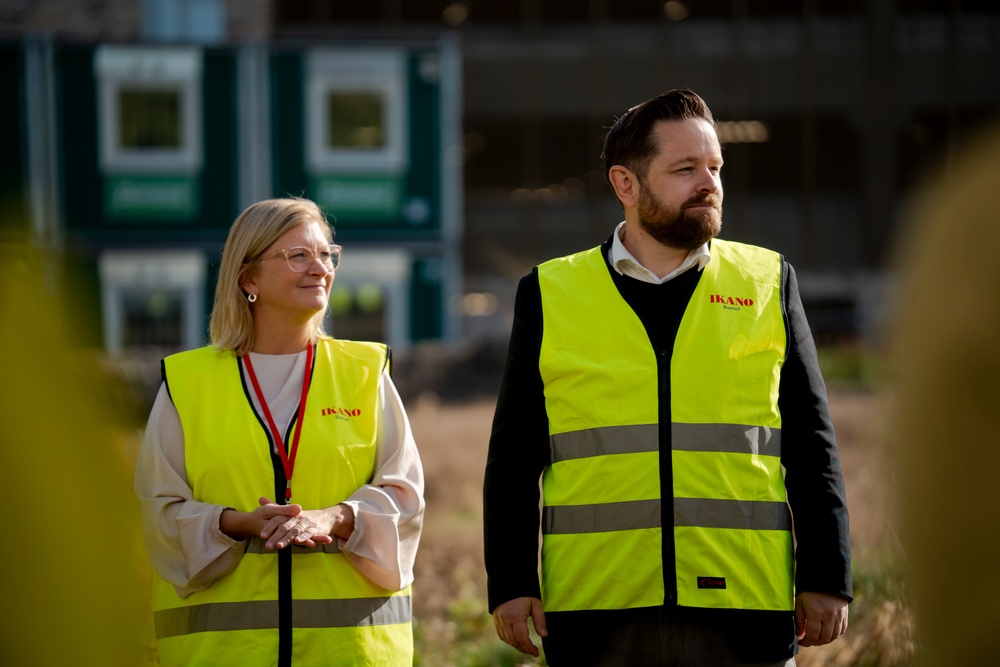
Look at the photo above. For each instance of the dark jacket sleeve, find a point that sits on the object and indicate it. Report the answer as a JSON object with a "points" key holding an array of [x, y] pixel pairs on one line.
{"points": [[814, 479], [517, 455]]}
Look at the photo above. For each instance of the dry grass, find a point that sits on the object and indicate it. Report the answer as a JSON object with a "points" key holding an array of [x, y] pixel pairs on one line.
{"points": [[451, 587]]}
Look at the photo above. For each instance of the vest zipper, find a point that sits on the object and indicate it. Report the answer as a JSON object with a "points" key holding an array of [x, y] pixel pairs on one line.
{"points": [[666, 482], [284, 563]]}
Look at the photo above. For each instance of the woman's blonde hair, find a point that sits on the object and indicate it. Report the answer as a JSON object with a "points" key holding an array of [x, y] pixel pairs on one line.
{"points": [[253, 232]]}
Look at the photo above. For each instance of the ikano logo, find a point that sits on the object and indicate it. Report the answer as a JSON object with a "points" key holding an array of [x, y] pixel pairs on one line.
{"points": [[730, 302], [341, 413]]}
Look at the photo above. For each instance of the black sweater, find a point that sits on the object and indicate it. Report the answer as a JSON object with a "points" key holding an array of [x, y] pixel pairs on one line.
{"points": [[519, 446]]}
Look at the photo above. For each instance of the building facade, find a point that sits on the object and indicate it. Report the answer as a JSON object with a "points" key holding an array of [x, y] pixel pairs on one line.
{"points": [[132, 158], [831, 113]]}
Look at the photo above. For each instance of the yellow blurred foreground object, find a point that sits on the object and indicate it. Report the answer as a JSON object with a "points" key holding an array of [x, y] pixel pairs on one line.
{"points": [[74, 578], [944, 429]]}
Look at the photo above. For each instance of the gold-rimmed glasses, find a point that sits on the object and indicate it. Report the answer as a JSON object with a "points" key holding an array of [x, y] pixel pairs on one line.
{"points": [[300, 259]]}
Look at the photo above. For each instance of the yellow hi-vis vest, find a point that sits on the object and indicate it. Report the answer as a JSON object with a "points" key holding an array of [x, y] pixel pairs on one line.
{"points": [[602, 515], [339, 617]]}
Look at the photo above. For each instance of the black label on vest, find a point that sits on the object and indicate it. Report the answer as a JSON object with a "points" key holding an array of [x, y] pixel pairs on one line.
{"points": [[711, 582]]}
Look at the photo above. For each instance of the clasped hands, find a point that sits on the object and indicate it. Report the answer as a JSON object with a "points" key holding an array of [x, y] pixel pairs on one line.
{"points": [[284, 525]]}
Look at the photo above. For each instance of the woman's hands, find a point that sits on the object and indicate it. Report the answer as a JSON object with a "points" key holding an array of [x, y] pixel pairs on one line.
{"points": [[284, 525]]}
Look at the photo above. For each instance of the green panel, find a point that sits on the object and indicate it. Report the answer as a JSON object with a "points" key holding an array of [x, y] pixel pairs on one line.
{"points": [[424, 176], [13, 166], [287, 122], [372, 199], [417, 212], [219, 175], [427, 299], [379, 206], [151, 198], [76, 114], [146, 207]]}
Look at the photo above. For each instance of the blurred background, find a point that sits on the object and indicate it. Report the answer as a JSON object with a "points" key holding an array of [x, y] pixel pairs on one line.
{"points": [[455, 145]]}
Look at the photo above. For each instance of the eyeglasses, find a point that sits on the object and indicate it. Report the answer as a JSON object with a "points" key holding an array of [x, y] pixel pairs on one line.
{"points": [[301, 259]]}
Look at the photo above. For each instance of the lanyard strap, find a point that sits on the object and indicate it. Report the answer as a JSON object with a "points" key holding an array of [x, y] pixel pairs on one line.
{"points": [[287, 458]]}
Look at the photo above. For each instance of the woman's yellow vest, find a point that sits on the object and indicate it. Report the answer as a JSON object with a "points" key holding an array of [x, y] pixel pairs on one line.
{"points": [[604, 508], [338, 616]]}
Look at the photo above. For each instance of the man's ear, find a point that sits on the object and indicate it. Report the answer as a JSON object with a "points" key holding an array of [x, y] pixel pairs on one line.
{"points": [[625, 184]]}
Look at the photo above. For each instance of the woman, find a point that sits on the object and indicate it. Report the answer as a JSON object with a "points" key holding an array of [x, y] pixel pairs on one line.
{"points": [[281, 490]]}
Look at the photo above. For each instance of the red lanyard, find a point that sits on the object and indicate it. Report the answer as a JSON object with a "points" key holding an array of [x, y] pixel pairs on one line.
{"points": [[287, 459]]}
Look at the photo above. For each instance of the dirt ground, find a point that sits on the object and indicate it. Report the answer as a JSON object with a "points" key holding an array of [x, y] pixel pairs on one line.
{"points": [[453, 442]]}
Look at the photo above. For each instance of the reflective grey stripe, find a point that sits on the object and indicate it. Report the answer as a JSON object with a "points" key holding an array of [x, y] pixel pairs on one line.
{"points": [[359, 611], [216, 616], [747, 515], [736, 438], [607, 440], [635, 514], [263, 614], [256, 546], [606, 517]]}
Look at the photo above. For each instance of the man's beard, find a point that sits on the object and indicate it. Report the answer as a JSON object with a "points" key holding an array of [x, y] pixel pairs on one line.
{"points": [[682, 228]]}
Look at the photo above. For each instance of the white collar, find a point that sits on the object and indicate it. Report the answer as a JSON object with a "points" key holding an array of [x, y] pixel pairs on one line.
{"points": [[627, 265]]}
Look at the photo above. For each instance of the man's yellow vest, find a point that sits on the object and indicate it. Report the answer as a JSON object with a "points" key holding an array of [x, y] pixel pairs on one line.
{"points": [[339, 617], [602, 518]]}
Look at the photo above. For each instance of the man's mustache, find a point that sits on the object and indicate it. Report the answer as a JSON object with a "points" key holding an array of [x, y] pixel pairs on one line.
{"points": [[703, 200]]}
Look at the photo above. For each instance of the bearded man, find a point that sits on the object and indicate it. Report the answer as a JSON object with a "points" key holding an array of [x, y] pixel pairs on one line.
{"points": [[665, 389]]}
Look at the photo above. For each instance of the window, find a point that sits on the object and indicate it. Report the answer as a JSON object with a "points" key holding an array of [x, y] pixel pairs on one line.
{"points": [[356, 120], [149, 119], [152, 299], [152, 319], [356, 111], [150, 103], [370, 298], [358, 312]]}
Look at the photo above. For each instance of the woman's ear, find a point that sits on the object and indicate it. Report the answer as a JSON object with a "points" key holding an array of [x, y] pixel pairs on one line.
{"points": [[248, 280], [625, 184]]}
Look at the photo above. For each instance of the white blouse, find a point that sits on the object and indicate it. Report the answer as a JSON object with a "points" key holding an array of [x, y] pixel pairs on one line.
{"points": [[182, 535]]}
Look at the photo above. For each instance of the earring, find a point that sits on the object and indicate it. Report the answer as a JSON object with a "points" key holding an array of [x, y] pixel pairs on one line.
{"points": [[251, 297]]}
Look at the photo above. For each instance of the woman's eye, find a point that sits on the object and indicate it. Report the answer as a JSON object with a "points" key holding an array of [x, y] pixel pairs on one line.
{"points": [[297, 254]]}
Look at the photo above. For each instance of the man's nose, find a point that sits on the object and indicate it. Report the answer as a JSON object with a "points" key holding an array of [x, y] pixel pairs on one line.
{"points": [[709, 182]]}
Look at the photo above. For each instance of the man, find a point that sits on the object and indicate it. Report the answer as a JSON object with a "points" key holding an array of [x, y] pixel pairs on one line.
{"points": [[665, 387]]}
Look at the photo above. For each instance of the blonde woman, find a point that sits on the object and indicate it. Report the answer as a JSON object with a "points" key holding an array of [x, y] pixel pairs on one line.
{"points": [[281, 490]]}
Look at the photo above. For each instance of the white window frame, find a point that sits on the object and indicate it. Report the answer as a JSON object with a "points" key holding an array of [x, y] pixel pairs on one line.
{"points": [[141, 68], [125, 272], [390, 270], [379, 71]]}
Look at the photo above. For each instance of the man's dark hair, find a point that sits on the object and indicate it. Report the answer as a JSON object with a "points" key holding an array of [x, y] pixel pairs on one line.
{"points": [[629, 142]]}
